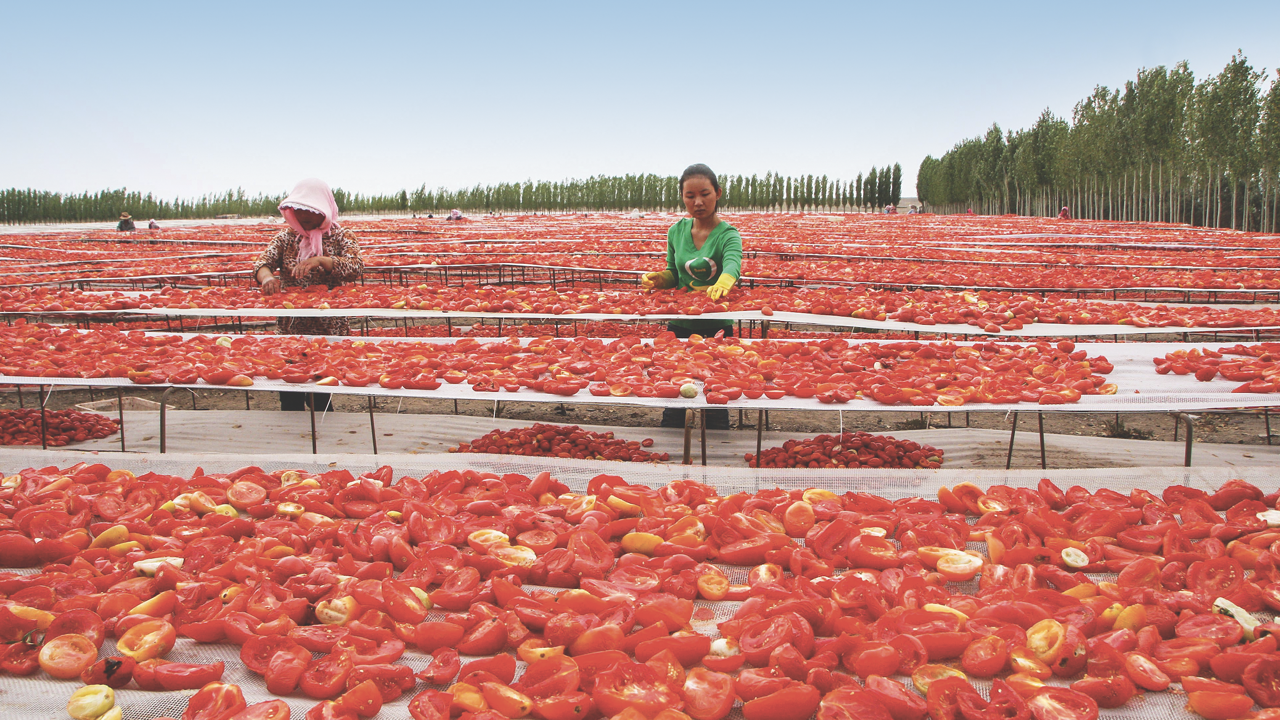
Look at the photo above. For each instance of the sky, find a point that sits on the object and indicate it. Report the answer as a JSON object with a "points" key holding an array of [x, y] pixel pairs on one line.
{"points": [[187, 98]]}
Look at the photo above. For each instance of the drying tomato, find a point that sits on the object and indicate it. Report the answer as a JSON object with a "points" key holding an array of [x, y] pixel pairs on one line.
{"points": [[1219, 705], [573, 705], [1055, 703], [113, 672], [632, 685], [900, 702], [285, 669], [269, 710], [66, 656], [944, 694], [78, 621], [794, 702], [186, 676], [1108, 692], [147, 639], [326, 677], [1262, 680], [985, 656], [257, 651], [363, 699], [708, 695], [215, 701]]}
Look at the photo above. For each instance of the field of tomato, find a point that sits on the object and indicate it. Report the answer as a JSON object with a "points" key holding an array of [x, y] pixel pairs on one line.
{"points": [[831, 370], [561, 441], [989, 310], [480, 595], [1002, 252]]}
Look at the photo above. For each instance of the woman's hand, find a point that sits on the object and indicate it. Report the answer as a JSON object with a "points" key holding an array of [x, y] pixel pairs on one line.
{"points": [[304, 267], [271, 286], [657, 280]]}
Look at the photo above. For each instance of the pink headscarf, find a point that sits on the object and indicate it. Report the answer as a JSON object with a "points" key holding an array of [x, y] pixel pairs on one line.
{"points": [[310, 194]]}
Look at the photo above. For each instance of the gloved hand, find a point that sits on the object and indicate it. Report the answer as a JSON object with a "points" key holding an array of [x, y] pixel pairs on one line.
{"points": [[658, 280], [722, 286]]}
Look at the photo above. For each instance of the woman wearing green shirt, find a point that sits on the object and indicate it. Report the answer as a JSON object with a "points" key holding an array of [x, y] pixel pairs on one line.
{"points": [[704, 254]]}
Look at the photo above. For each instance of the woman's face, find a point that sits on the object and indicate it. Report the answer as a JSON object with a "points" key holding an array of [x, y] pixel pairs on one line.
{"points": [[307, 219], [700, 196]]}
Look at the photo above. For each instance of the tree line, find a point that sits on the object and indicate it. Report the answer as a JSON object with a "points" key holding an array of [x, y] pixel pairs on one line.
{"points": [[773, 192], [1165, 148]]}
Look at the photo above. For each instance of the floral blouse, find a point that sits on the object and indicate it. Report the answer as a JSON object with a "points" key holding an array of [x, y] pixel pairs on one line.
{"points": [[281, 255]]}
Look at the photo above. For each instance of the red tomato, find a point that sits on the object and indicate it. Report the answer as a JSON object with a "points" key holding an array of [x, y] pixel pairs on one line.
{"points": [[146, 640], [1055, 703], [794, 702], [113, 672], [574, 705], [66, 656], [1219, 705], [1262, 680], [1108, 692], [708, 695], [632, 685], [985, 656], [80, 622], [269, 710], [215, 701]]}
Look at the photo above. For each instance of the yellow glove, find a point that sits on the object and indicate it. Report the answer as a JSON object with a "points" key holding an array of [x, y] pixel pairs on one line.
{"points": [[722, 286], [658, 280]]}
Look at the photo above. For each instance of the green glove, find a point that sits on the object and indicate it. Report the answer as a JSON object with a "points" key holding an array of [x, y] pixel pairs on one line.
{"points": [[658, 280], [722, 286]]}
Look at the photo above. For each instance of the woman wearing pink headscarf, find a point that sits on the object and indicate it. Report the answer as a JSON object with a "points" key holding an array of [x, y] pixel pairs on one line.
{"points": [[313, 250]]}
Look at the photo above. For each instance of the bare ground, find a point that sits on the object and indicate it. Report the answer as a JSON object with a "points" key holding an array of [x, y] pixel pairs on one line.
{"points": [[1246, 428]]}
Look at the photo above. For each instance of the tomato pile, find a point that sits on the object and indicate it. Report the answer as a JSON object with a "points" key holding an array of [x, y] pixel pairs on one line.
{"points": [[1031, 253], [990, 310], [849, 450], [562, 441], [595, 592], [1258, 366], [23, 427], [832, 370]]}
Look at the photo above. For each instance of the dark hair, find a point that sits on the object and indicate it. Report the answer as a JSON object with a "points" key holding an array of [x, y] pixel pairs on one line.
{"points": [[699, 169]]}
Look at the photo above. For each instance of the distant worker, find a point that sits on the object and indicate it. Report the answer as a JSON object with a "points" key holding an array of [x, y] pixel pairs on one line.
{"points": [[313, 250], [911, 210], [1065, 213], [454, 214], [970, 211], [126, 223], [152, 224], [704, 253]]}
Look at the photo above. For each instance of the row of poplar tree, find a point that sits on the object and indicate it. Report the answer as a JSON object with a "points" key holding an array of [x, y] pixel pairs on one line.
{"points": [[774, 192], [1165, 148]]}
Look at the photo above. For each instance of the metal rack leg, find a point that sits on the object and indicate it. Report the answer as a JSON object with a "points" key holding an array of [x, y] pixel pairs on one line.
{"points": [[1266, 416], [759, 434], [1190, 422], [1008, 461], [688, 438], [373, 432], [120, 409], [44, 423], [1040, 419], [311, 397], [702, 421]]}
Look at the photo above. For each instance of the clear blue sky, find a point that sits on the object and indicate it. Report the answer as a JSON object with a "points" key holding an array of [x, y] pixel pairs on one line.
{"points": [[186, 98]]}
